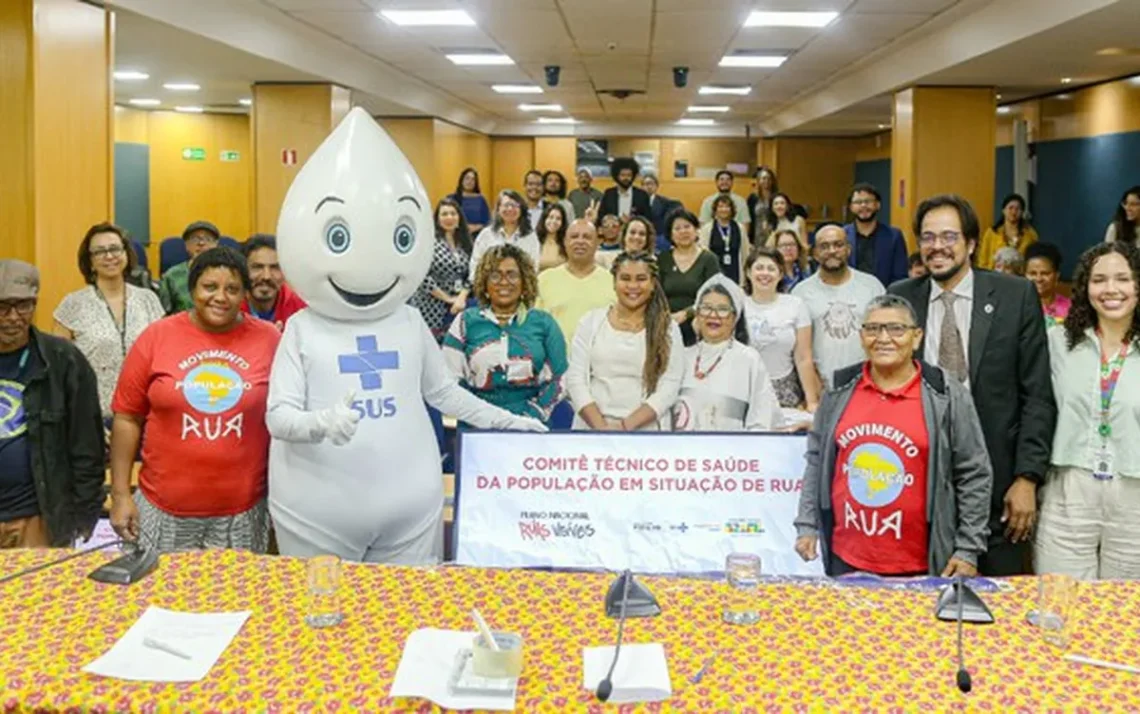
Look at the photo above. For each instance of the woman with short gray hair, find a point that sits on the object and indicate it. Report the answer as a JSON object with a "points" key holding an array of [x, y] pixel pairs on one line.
{"points": [[897, 481], [1008, 260]]}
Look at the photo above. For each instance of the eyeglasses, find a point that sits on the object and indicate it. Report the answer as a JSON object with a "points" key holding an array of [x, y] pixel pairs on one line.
{"points": [[111, 251], [893, 329], [507, 205], [715, 311], [831, 247], [509, 276], [23, 308], [202, 240], [862, 201], [948, 238]]}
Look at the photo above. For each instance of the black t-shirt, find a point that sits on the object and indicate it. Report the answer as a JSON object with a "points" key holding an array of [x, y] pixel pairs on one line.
{"points": [[17, 489], [865, 253]]}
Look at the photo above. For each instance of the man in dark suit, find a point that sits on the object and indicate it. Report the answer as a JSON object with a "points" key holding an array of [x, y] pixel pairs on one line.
{"points": [[625, 199], [659, 207], [986, 329]]}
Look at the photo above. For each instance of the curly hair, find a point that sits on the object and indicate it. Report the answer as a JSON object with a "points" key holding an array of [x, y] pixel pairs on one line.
{"points": [[624, 162], [490, 262], [1082, 315], [658, 321]]}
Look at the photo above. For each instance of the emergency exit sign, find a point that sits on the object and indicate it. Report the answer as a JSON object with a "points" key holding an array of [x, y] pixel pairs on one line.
{"points": [[193, 153], [230, 156]]}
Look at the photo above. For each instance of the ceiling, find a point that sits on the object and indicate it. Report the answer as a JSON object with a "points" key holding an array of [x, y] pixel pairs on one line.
{"points": [[226, 45]]}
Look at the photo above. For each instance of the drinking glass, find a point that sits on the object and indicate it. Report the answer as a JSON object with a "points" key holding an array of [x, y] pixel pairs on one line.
{"points": [[324, 592], [742, 570], [1056, 598]]}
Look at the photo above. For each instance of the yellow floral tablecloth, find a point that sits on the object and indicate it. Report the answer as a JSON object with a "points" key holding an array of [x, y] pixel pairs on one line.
{"points": [[817, 649]]}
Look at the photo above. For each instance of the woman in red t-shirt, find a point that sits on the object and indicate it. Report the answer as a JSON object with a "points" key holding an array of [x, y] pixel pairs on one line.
{"points": [[891, 436], [198, 381]]}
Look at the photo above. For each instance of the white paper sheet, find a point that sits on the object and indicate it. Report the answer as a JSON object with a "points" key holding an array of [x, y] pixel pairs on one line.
{"points": [[203, 636], [426, 665], [641, 674]]}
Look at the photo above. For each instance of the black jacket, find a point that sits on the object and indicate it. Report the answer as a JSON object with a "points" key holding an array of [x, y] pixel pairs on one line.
{"points": [[1009, 376], [638, 207], [659, 209], [65, 437]]}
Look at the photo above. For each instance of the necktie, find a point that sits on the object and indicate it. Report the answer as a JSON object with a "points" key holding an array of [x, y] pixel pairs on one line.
{"points": [[951, 355]]}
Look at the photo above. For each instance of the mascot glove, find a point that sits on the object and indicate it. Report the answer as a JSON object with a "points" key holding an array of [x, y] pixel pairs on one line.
{"points": [[338, 423]]}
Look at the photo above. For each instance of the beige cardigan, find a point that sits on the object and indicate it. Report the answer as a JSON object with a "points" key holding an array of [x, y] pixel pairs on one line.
{"points": [[705, 235]]}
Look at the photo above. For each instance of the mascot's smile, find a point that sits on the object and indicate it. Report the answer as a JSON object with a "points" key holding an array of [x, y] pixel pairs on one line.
{"points": [[362, 299]]}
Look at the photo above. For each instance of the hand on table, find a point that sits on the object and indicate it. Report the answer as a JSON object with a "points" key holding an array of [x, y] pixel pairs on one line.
{"points": [[339, 421], [808, 547], [1020, 511], [957, 566]]}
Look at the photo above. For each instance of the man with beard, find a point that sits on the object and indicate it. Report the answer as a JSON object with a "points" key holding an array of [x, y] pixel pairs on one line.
{"points": [[1003, 361], [625, 199], [724, 180], [876, 248], [533, 190], [836, 297], [554, 191], [269, 297]]}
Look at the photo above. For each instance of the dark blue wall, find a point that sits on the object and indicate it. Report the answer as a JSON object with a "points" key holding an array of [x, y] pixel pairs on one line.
{"points": [[878, 174], [1079, 183], [132, 189]]}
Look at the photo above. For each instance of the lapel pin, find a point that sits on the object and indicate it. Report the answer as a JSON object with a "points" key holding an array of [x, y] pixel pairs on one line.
{"points": [[989, 308]]}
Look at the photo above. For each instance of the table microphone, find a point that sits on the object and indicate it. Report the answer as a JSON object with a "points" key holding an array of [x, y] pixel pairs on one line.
{"points": [[141, 560], [964, 682], [606, 686]]}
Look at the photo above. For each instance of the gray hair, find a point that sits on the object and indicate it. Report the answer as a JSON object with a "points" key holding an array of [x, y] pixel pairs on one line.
{"points": [[1009, 256], [891, 302]]}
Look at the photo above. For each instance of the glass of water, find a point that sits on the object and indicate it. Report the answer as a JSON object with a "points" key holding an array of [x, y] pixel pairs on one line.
{"points": [[1056, 601], [742, 570], [324, 592]]}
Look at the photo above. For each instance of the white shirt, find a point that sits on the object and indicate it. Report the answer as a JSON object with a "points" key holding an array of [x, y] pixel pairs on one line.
{"points": [[625, 201], [735, 393], [963, 307], [535, 214], [836, 314], [489, 237], [772, 331], [606, 370]]}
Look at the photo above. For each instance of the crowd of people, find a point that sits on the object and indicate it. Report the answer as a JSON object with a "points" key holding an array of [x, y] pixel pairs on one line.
{"points": [[963, 414]]}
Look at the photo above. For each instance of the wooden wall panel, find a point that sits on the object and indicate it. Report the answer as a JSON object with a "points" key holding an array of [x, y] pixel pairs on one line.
{"points": [[17, 213], [873, 147], [184, 191], [456, 149], [286, 116], [817, 173], [557, 153], [954, 135], [902, 164], [131, 125], [72, 139], [511, 158]]}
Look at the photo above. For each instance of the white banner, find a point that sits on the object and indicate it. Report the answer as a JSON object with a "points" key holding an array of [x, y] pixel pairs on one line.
{"points": [[652, 502]]}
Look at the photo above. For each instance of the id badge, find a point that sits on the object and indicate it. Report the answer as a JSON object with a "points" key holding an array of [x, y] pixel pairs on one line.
{"points": [[520, 371], [728, 259], [1102, 465]]}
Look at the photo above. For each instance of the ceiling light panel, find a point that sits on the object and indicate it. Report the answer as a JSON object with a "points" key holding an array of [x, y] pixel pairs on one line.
{"points": [[759, 18], [428, 18]]}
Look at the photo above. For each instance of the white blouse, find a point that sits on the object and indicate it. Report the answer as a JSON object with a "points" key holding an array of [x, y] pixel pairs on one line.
{"points": [[489, 237], [730, 391], [606, 367], [97, 335]]}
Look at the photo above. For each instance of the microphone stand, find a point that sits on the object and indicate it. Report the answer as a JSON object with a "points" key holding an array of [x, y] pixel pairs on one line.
{"points": [[128, 568], [606, 686], [964, 683]]}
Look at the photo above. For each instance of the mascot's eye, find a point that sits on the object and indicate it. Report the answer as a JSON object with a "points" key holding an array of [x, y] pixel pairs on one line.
{"points": [[404, 238], [338, 238]]}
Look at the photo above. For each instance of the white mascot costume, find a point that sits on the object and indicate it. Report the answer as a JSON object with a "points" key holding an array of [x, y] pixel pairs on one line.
{"points": [[354, 466]]}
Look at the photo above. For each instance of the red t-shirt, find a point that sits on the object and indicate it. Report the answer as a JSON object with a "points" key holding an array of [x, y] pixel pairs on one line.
{"points": [[206, 447], [288, 304], [878, 494]]}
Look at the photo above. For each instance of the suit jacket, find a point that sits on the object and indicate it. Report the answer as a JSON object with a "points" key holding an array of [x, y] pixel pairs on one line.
{"points": [[639, 206], [889, 251], [659, 208], [1009, 376]]}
